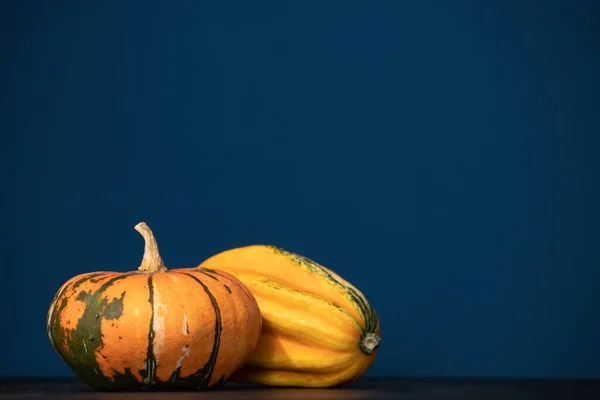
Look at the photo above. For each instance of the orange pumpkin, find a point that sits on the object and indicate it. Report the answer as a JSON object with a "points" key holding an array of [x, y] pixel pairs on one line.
{"points": [[159, 328]]}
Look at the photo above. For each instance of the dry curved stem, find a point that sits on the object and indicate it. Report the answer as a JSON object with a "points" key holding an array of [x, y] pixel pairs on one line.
{"points": [[152, 261]]}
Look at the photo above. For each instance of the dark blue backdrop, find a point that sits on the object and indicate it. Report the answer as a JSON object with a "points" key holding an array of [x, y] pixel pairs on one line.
{"points": [[441, 155]]}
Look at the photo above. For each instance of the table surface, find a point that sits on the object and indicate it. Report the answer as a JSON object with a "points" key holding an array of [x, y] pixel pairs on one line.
{"points": [[414, 389]]}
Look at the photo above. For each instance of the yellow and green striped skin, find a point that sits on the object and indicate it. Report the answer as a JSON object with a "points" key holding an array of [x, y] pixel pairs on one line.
{"points": [[318, 329], [178, 329]]}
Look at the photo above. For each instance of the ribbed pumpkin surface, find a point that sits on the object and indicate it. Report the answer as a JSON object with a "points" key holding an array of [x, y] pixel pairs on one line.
{"points": [[318, 329], [178, 328]]}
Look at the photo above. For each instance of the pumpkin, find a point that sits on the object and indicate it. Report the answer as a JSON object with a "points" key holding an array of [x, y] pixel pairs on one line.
{"points": [[152, 327], [318, 329]]}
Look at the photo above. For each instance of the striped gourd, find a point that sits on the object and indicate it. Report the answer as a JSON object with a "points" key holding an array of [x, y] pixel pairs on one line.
{"points": [[318, 329], [153, 327]]}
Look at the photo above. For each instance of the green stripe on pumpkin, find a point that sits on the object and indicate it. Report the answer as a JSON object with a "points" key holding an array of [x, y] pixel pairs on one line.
{"points": [[149, 373], [205, 272], [212, 271]]}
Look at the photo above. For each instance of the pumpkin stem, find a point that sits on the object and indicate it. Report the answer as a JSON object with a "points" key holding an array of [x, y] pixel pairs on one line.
{"points": [[369, 343], [152, 261]]}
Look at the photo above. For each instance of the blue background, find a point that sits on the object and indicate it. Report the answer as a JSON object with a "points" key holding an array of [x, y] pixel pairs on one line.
{"points": [[441, 155]]}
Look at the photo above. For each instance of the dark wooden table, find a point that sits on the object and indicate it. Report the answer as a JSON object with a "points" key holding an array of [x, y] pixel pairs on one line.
{"points": [[414, 389]]}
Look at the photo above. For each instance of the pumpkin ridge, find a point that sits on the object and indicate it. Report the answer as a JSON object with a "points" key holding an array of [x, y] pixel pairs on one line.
{"points": [[352, 293], [311, 357], [274, 285], [365, 309], [311, 330], [208, 368]]}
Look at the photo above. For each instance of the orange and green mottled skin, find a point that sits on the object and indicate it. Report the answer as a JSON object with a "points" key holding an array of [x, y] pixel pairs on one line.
{"points": [[178, 329]]}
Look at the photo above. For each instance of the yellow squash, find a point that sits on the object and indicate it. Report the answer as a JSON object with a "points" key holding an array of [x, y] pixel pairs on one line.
{"points": [[318, 330]]}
